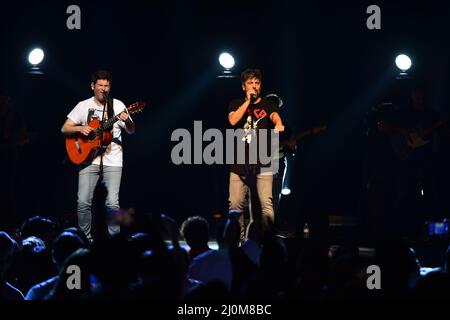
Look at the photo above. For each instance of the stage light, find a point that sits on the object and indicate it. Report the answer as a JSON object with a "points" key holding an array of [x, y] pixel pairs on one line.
{"points": [[36, 56], [286, 191], [403, 62], [226, 60]]}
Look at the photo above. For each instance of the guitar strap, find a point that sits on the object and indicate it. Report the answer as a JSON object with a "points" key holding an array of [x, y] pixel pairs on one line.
{"points": [[110, 107], [110, 113]]}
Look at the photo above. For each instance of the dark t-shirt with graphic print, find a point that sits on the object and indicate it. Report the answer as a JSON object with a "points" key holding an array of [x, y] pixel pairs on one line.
{"points": [[257, 116]]}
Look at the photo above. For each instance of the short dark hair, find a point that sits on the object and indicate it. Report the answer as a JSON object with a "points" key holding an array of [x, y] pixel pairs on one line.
{"points": [[39, 227], [196, 231], [101, 75], [80, 234], [64, 245], [251, 73]]}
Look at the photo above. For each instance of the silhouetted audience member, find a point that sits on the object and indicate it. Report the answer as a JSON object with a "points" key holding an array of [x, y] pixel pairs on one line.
{"points": [[63, 246], [312, 273], [195, 231], [40, 227], [401, 269], [111, 264], [215, 265], [78, 283], [156, 269], [228, 265], [7, 249], [33, 264], [80, 234], [272, 279], [157, 278], [170, 255], [138, 244], [347, 277]]}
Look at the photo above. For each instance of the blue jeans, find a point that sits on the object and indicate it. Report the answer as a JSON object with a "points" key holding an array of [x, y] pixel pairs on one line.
{"points": [[87, 181]]}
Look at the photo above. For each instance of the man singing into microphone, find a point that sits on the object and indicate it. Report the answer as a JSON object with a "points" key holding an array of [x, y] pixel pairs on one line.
{"points": [[107, 164], [253, 112]]}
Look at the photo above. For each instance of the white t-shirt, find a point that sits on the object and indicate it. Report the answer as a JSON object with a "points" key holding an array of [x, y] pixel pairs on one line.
{"points": [[113, 155]]}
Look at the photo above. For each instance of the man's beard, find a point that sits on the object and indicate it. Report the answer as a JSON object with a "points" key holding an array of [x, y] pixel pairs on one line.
{"points": [[101, 98]]}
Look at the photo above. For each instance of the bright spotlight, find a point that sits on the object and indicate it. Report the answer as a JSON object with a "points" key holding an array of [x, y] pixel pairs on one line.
{"points": [[403, 62], [36, 56], [286, 191], [226, 60]]}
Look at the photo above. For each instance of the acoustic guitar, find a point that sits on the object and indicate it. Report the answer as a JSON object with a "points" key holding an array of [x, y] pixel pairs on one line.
{"points": [[81, 149]]}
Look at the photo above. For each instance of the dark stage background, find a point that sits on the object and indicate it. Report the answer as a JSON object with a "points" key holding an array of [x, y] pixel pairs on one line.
{"points": [[317, 55]]}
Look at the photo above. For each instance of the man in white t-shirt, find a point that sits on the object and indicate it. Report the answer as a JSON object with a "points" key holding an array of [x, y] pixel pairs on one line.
{"points": [[108, 164]]}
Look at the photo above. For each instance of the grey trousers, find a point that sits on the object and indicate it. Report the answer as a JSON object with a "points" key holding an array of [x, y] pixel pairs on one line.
{"points": [[87, 181], [261, 199]]}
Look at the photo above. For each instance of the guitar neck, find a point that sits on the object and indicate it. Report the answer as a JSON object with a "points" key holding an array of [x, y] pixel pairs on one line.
{"points": [[435, 126], [298, 137], [110, 122], [132, 109], [424, 132], [393, 128], [302, 135]]}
